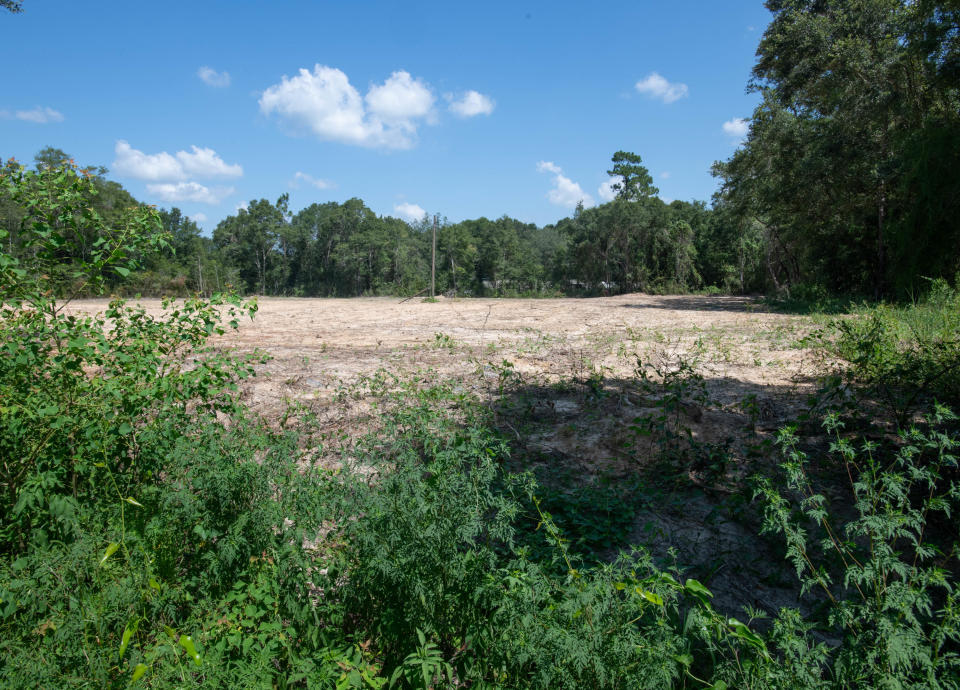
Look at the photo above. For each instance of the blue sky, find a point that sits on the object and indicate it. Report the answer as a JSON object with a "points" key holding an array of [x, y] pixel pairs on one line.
{"points": [[462, 109]]}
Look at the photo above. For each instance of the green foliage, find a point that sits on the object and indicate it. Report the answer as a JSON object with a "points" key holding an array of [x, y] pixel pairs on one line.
{"points": [[888, 581], [847, 166], [903, 355], [641, 245], [344, 249], [63, 246], [431, 572], [129, 513], [633, 181]]}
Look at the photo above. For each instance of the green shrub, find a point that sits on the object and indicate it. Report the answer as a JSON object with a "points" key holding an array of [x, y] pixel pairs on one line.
{"points": [[904, 354], [886, 571], [431, 555], [132, 520]]}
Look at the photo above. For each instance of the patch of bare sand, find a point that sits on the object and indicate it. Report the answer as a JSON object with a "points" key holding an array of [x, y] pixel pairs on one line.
{"points": [[311, 340]]}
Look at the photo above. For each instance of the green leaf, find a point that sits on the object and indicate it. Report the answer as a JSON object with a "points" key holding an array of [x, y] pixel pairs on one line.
{"points": [[125, 429], [741, 631], [138, 672], [123, 272], [187, 643], [128, 632], [652, 597], [111, 549], [133, 501], [697, 589]]}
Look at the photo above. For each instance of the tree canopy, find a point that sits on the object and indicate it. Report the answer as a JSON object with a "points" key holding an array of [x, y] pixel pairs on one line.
{"points": [[850, 164], [633, 181]]}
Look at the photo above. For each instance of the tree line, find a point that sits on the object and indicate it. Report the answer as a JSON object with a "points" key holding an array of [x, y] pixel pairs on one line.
{"points": [[635, 242], [849, 175]]}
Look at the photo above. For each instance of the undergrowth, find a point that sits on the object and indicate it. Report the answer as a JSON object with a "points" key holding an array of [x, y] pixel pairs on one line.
{"points": [[901, 357]]}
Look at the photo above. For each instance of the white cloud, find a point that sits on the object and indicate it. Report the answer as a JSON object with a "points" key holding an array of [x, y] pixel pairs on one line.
{"points": [[400, 100], [242, 206], [565, 192], [39, 115], [548, 166], [471, 104], [198, 217], [189, 191], [212, 77], [326, 104], [665, 175], [657, 87], [206, 163], [134, 163], [159, 167], [605, 191], [738, 127], [409, 212], [310, 180], [322, 101]]}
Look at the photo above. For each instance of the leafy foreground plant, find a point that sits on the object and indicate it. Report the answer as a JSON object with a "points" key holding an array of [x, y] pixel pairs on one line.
{"points": [[430, 557], [888, 571], [903, 355], [139, 535]]}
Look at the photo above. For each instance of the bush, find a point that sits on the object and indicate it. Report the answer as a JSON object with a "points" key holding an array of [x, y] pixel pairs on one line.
{"points": [[131, 519], [904, 354], [887, 571]]}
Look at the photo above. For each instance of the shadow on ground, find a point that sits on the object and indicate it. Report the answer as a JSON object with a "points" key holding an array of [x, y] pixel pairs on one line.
{"points": [[621, 463], [746, 305]]}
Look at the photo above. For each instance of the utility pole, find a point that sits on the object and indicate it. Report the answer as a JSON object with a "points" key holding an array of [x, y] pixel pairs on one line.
{"points": [[433, 260]]}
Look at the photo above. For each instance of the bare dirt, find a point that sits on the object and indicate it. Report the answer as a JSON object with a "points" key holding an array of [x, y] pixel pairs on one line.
{"points": [[316, 344], [573, 369]]}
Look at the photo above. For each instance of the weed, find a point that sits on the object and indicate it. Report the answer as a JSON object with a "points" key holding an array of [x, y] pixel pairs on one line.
{"points": [[442, 341]]}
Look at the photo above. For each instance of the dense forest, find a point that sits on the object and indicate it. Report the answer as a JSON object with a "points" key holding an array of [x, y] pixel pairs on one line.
{"points": [[494, 525]]}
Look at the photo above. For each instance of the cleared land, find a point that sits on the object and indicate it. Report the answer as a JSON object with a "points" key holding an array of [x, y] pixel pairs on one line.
{"points": [[566, 373], [317, 344]]}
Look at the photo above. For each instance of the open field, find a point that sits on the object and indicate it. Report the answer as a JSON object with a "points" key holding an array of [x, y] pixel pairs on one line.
{"points": [[317, 344], [565, 374]]}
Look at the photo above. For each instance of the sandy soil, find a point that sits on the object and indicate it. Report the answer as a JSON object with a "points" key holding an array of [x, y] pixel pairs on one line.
{"points": [[319, 347], [314, 342]]}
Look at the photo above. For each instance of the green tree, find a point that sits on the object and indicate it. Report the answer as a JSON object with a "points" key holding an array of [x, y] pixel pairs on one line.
{"points": [[456, 257], [847, 162], [51, 157], [634, 181], [249, 240]]}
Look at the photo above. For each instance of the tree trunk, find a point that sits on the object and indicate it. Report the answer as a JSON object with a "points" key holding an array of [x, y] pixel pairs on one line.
{"points": [[880, 269]]}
